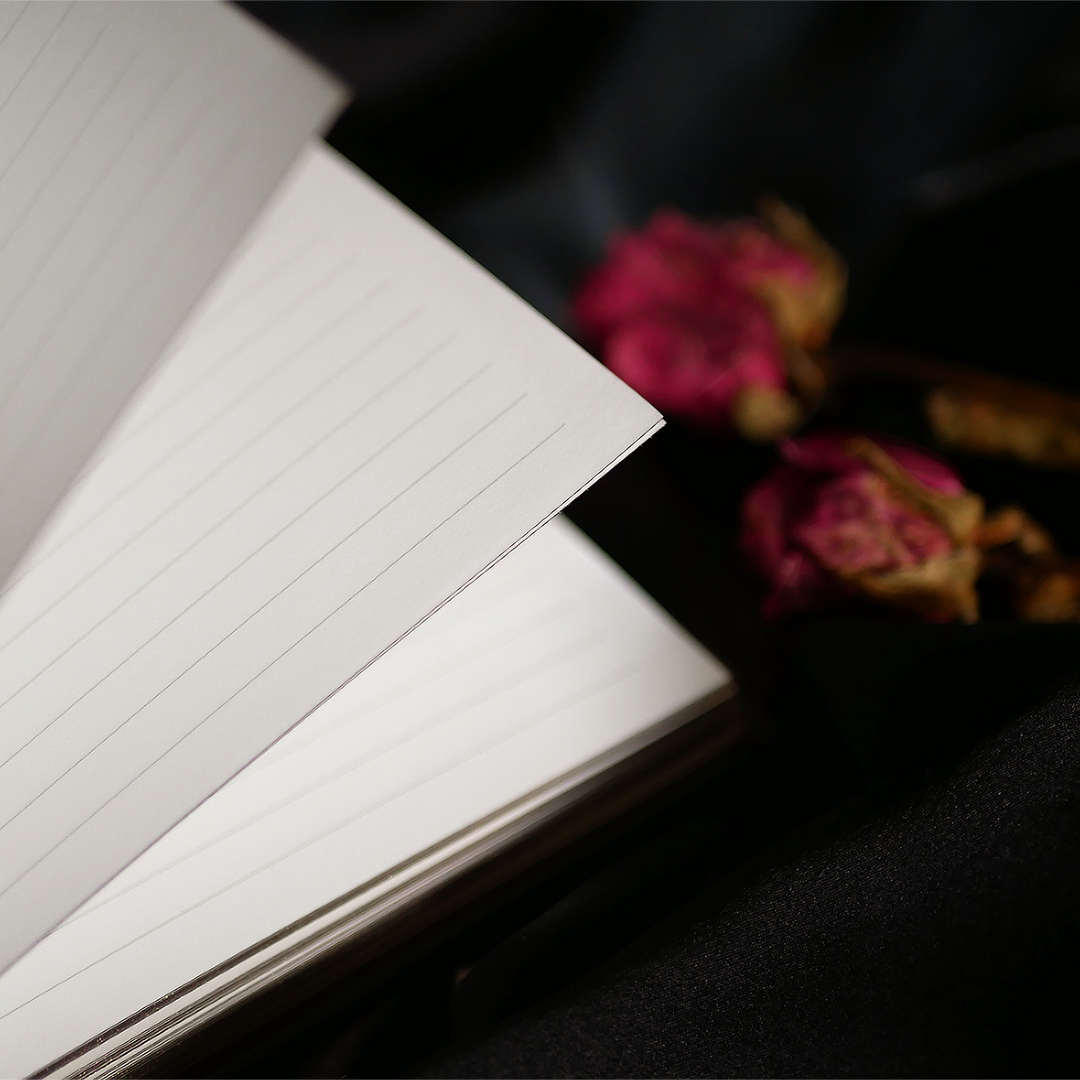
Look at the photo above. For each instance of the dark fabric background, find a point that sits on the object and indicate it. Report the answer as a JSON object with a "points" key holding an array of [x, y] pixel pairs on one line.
{"points": [[889, 885], [933, 937]]}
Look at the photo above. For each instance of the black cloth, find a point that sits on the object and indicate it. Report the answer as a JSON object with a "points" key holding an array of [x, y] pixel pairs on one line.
{"points": [[926, 933], [937, 936]]}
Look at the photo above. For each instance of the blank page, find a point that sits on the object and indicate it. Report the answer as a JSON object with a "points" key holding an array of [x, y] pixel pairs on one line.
{"points": [[359, 422], [552, 660], [137, 143]]}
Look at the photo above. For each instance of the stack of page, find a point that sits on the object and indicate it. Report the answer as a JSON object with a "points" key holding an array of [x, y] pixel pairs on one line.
{"points": [[259, 424]]}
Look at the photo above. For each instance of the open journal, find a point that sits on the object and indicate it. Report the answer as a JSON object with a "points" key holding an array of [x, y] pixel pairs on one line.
{"points": [[259, 423]]}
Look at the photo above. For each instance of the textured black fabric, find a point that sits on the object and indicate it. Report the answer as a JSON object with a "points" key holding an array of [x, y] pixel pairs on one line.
{"points": [[940, 937]]}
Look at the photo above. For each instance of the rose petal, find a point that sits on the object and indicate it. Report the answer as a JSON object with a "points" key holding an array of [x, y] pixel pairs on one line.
{"points": [[798, 585], [827, 451], [765, 519], [843, 514], [857, 525], [674, 311], [696, 369]]}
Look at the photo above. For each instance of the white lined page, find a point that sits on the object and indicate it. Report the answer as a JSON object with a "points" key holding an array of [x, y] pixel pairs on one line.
{"points": [[548, 661], [137, 143], [303, 481]]}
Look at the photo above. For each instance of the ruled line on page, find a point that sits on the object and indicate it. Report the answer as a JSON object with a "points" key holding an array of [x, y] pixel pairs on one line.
{"points": [[503, 602], [214, 417], [195, 432], [70, 376], [153, 102], [416, 423], [206, 532], [367, 521], [64, 84], [260, 331], [212, 317], [525, 622], [381, 339], [184, 133], [485, 648], [7, 888], [574, 648], [252, 554], [107, 91], [263, 331], [608, 680], [169, 964], [16, 298], [107, 112], [450, 662], [239, 506], [183, 136], [328, 433], [198, 725], [20, 11], [32, 60]]}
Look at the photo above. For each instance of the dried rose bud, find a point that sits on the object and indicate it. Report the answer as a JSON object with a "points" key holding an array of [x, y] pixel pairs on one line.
{"points": [[697, 367], [1048, 594], [847, 516], [805, 310], [700, 320], [1045, 585], [979, 423]]}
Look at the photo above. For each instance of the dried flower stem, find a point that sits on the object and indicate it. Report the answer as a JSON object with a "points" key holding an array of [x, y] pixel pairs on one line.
{"points": [[1045, 585], [842, 363], [974, 411], [959, 515]]}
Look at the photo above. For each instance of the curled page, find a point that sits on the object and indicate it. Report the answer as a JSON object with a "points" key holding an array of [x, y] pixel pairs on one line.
{"points": [[137, 143], [359, 422], [510, 699]]}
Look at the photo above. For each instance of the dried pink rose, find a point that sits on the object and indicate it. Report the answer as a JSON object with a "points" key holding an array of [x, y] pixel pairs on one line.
{"points": [[695, 366], [844, 515], [804, 311], [703, 319], [677, 264]]}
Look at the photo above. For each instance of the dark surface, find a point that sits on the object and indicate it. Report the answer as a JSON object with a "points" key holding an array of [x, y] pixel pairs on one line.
{"points": [[936, 936], [889, 885]]}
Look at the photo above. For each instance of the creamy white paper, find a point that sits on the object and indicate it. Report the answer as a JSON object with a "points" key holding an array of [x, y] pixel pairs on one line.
{"points": [[359, 422], [137, 143], [552, 658]]}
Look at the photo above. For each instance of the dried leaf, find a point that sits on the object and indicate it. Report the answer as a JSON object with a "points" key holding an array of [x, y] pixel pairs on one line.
{"points": [[764, 414], [977, 424], [1048, 594], [1012, 525], [941, 588], [960, 515], [806, 377], [805, 315]]}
